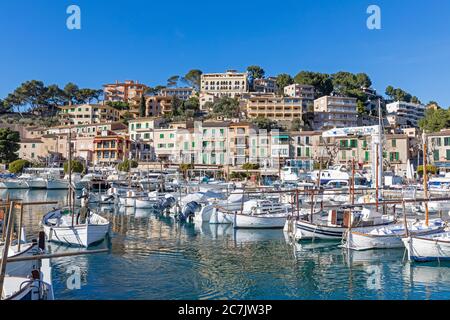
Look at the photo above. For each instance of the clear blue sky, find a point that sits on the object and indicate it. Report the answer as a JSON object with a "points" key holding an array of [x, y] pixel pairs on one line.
{"points": [[152, 40]]}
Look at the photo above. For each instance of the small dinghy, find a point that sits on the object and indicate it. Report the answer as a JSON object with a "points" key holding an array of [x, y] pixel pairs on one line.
{"points": [[435, 247], [58, 227]]}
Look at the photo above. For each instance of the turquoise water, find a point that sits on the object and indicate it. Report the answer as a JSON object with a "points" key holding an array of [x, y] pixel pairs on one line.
{"points": [[154, 257]]}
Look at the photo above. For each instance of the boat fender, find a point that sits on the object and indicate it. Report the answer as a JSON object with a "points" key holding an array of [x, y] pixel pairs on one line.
{"points": [[42, 240]]}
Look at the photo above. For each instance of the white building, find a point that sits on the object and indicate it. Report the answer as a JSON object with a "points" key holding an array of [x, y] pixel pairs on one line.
{"points": [[301, 91], [265, 85], [229, 84], [404, 114], [335, 112], [181, 93]]}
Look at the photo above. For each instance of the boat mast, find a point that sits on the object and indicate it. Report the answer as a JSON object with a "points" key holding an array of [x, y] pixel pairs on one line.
{"points": [[377, 182], [69, 171], [425, 178], [352, 195]]}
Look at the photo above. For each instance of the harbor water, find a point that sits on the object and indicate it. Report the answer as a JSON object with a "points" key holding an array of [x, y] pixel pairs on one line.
{"points": [[154, 257]]}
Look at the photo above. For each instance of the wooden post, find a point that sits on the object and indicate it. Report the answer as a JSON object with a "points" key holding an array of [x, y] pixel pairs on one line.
{"points": [[9, 230], [19, 237]]}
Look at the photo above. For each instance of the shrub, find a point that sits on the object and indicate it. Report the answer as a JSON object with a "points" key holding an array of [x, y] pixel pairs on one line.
{"points": [[18, 166], [76, 167]]}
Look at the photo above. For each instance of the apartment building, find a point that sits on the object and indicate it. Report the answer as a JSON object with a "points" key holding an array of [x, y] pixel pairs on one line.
{"points": [[124, 91], [205, 99], [439, 149], [274, 107], [335, 112], [304, 91], [214, 139], [31, 149], [260, 148], [306, 147], [110, 148], [280, 148], [265, 85], [158, 106], [88, 130], [47, 148], [141, 135], [181, 93], [165, 144], [88, 114], [230, 84], [402, 114], [239, 136], [396, 152]]}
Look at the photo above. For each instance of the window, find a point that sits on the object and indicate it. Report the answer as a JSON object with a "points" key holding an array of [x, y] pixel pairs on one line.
{"points": [[436, 155], [33, 146], [193, 145], [222, 131], [437, 141], [344, 155], [186, 146], [447, 141], [394, 143], [299, 152], [394, 156], [172, 135], [32, 155], [448, 154], [307, 152], [367, 156], [161, 136], [354, 143]]}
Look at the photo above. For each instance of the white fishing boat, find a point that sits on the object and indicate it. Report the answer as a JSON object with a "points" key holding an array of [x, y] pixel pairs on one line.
{"points": [[58, 227], [390, 236], [336, 224], [150, 201], [435, 247], [15, 184], [261, 214], [54, 183], [22, 268], [32, 288], [34, 181], [216, 212]]}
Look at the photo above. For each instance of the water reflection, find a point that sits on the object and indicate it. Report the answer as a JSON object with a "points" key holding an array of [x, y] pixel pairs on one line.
{"points": [[154, 257]]}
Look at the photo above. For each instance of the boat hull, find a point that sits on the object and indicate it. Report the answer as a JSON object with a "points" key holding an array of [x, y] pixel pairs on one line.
{"points": [[57, 185], [242, 221], [81, 235], [16, 184], [304, 230], [431, 248]]}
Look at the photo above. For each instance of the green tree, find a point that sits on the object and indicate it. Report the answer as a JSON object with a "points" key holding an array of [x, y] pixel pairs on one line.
{"points": [[255, 72], [296, 124], [18, 166], [397, 94], [126, 165], [173, 81], [250, 166], [265, 123], [193, 78], [142, 107], [9, 145], [435, 120], [226, 107], [126, 117], [75, 167], [283, 80], [430, 170], [322, 82], [71, 91], [119, 105]]}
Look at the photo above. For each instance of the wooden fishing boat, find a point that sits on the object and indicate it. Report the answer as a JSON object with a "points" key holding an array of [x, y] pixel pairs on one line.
{"points": [[435, 247], [390, 236], [60, 226], [337, 223], [261, 214]]}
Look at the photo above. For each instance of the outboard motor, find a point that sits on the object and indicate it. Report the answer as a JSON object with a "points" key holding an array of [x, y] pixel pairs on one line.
{"points": [[188, 211], [167, 203]]}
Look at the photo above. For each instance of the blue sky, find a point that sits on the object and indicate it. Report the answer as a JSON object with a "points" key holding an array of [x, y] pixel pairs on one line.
{"points": [[153, 40]]}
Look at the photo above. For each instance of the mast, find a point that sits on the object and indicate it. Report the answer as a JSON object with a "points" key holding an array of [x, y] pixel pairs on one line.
{"points": [[425, 178], [352, 194], [380, 149], [69, 170], [377, 181]]}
